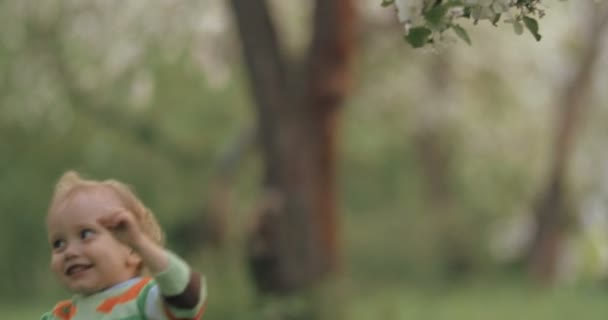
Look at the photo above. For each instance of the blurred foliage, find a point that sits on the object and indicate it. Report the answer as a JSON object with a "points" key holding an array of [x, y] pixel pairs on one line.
{"points": [[425, 21]]}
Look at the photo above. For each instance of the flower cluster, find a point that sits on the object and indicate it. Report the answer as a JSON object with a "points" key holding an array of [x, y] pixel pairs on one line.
{"points": [[426, 21]]}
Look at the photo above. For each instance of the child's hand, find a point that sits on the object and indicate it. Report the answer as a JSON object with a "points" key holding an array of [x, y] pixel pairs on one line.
{"points": [[121, 223]]}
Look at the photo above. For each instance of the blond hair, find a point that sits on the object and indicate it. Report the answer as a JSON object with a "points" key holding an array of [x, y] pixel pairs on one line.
{"points": [[71, 182]]}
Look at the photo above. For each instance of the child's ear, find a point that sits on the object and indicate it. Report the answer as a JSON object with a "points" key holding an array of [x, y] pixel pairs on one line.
{"points": [[134, 260]]}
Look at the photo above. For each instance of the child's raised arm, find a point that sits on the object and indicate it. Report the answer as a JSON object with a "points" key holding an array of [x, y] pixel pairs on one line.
{"points": [[177, 292]]}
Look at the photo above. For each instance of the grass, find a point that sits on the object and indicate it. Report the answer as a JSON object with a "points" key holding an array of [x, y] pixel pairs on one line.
{"points": [[496, 301], [483, 301]]}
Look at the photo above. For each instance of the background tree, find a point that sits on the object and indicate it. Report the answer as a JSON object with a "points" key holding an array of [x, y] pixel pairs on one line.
{"points": [[298, 106], [554, 213]]}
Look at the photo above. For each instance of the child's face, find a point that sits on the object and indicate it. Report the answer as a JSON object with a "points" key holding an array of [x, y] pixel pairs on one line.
{"points": [[85, 256]]}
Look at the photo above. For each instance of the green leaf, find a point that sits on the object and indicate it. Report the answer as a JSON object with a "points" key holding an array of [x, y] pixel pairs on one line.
{"points": [[386, 3], [435, 15], [532, 25], [418, 36], [455, 3], [496, 19], [462, 33], [518, 27]]}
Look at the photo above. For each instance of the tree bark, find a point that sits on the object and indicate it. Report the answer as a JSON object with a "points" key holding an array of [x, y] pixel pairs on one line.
{"points": [[552, 211], [328, 82], [295, 238]]}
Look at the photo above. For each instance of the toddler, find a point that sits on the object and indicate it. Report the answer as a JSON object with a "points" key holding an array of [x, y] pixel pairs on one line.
{"points": [[107, 248]]}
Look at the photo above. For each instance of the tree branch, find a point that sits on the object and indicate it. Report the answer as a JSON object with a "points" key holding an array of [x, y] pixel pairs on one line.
{"points": [[327, 83], [331, 52], [573, 99], [267, 75]]}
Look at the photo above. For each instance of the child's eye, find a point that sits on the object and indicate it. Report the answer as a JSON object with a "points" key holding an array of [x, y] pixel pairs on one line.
{"points": [[58, 244], [86, 233]]}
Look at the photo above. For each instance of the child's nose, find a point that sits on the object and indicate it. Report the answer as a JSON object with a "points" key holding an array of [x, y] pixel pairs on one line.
{"points": [[72, 251]]}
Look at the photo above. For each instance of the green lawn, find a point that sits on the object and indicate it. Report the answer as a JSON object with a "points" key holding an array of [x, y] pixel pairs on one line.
{"points": [[483, 302]]}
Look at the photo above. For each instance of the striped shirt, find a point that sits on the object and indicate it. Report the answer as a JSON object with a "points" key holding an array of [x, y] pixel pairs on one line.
{"points": [[177, 293]]}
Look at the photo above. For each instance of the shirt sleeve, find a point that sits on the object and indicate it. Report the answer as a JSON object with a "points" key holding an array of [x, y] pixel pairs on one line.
{"points": [[46, 316], [178, 293]]}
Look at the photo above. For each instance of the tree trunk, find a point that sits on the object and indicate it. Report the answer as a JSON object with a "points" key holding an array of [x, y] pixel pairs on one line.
{"points": [[295, 240], [434, 146], [552, 212]]}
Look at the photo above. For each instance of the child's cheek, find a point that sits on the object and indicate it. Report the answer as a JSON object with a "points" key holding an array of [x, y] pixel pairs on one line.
{"points": [[56, 265]]}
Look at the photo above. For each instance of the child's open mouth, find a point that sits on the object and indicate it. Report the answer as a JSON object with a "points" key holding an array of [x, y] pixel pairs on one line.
{"points": [[77, 269]]}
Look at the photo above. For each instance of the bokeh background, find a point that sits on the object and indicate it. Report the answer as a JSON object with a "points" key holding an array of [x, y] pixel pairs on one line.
{"points": [[469, 182]]}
